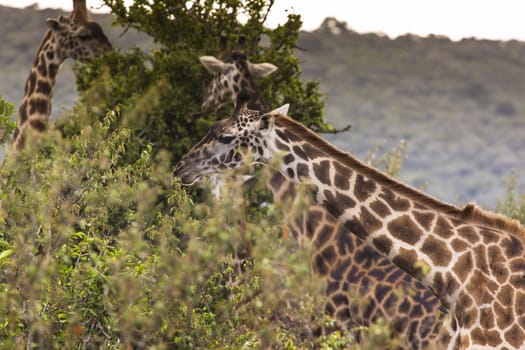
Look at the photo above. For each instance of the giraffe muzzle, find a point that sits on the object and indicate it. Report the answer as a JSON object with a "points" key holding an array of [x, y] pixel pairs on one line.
{"points": [[183, 172]]}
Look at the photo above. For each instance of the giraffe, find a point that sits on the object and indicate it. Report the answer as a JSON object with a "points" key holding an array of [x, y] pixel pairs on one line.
{"points": [[232, 71], [74, 37], [471, 259], [416, 317]]}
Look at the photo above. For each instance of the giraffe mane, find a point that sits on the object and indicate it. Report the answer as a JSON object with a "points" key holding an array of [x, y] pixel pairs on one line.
{"points": [[255, 88], [470, 213], [46, 37]]}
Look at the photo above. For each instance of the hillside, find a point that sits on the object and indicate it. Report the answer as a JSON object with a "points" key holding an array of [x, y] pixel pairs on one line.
{"points": [[458, 105]]}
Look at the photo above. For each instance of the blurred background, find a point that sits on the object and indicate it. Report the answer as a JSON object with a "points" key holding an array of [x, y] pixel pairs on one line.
{"points": [[449, 80]]}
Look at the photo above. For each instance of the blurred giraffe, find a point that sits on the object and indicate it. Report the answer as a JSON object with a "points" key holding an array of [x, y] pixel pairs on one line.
{"points": [[75, 37]]}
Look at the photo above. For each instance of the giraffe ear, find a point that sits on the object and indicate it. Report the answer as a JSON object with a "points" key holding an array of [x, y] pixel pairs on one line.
{"points": [[213, 65], [260, 70], [267, 121], [283, 110], [54, 25]]}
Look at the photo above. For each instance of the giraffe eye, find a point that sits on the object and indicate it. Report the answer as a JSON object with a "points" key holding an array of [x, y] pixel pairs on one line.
{"points": [[83, 36], [225, 138]]}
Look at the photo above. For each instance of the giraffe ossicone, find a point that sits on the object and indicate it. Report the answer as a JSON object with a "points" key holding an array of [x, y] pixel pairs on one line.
{"points": [[67, 37], [472, 260]]}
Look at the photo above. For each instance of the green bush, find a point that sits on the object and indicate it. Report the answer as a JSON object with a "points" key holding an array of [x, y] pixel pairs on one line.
{"points": [[98, 254]]}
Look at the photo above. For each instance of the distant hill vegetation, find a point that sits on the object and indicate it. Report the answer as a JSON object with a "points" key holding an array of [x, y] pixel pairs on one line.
{"points": [[459, 105]]}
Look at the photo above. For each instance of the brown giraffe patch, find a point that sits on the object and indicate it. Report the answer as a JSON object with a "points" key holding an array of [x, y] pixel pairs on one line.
{"points": [[23, 113], [464, 300], [520, 304], [302, 171], [515, 336], [518, 281], [283, 135], [504, 315], [478, 287], [311, 151], [342, 176], [322, 171], [323, 235], [505, 295], [38, 105], [405, 229], [406, 260], [383, 244], [312, 221], [337, 204], [489, 236], [31, 83], [37, 124], [459, 245], [298, 150], [380, 208], [43, 87], [480, 257], [42, 68], [53, 69], [425, 219], [493, 338], [289, 158], [439, 284], [355, 226], [282, 146], [437, 250], [369, 221], [443, 228], [452, 283], [497, 264], [320, 265], [478, 336], [329, 255], [395, 202], [467, 316], [363, 188], [463, 266], [469, 234], [513, 247], [487, 318]]}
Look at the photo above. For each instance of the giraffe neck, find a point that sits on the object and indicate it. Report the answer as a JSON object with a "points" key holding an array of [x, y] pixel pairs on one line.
{"points": [[257, 103], [415, 232], [35, 109], [247, 81]]}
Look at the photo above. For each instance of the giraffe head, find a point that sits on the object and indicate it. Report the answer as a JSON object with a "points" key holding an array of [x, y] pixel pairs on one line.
{"points": [[229, 141], [232, 72], [76, 38]]}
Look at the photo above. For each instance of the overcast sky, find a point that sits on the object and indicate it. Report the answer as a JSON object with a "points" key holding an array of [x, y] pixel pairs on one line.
{"points": [[490, 19]]}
